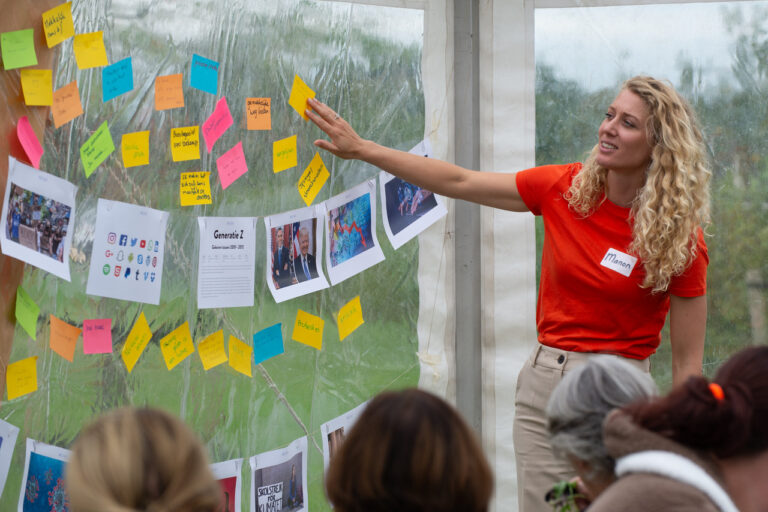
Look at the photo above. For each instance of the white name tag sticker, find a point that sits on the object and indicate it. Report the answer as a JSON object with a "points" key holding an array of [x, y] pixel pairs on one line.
{"points": [[619, 262]]}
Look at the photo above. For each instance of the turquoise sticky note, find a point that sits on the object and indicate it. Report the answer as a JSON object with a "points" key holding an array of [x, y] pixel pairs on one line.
{"points": [[204, 74], [116, 79], [267, 343], [18, 49]]}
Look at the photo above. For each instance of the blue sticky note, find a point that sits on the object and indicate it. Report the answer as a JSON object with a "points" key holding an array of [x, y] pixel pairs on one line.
{"points": [[204, 74], [267, 343], [117, 79]]}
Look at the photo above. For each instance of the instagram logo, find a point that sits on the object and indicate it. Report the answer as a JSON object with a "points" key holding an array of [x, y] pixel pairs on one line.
{"points": [[111, 238]]}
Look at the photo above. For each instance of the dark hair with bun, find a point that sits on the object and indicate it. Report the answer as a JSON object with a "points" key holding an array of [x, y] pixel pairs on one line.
{"points": [[733, 426]]}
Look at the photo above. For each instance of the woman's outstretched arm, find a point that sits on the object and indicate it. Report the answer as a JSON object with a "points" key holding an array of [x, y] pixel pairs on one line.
{"points": [[491, 189]]}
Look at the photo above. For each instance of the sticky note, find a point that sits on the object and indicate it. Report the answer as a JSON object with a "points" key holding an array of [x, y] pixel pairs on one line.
{"points": [[313, 179], [169, 92], [308, 329], [177, 345], [350, 317], [58, 25], [231, 165], [135, 148], [185, 143], [300, 93], [18, 49], [211, 350], [258, 113], [66, 104], [96, 149], [97, 336], [204, 74], [37, 85], [63, 338], [29, 141], [136, 342], [116, 79], [26, 312], [218, 122], [195, 188], [89, 50], [240, 356], [21, 377], [267, 343], [284, 154]]}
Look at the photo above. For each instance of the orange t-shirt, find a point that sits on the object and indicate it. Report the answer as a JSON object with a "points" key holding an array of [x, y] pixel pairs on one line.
{"points": [[589, 295]]}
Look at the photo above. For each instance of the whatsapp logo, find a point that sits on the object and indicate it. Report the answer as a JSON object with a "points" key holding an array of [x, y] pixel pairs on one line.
{"points": [[106, 269]]}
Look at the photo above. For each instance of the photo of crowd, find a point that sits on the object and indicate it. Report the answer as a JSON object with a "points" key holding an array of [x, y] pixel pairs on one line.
{"points": [[36, 222]]}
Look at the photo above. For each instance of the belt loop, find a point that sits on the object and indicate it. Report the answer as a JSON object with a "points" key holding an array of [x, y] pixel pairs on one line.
{"points": [[564, 363], [536, 354]]}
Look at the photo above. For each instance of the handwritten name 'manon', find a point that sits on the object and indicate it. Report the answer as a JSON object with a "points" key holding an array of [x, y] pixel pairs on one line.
{"points": [[308, 326], [611, 257]]}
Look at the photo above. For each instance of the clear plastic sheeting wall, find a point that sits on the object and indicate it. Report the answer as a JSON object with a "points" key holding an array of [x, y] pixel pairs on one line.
{"points": [[364, 61], [714, 54]]}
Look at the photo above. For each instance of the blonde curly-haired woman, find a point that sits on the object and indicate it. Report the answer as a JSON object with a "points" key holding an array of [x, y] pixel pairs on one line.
{"points": [[623, 247]]}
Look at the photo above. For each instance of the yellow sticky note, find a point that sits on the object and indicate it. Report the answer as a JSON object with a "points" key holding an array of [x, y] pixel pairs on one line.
{"points": [[195, 188], [37, 85], [89, 50], [177, 345], [169, 92], [21, 377], [259, 113], [308, 329], [313, 179], [300, 93], [185, 143], [66, 104], [135, 148], [240, 355], [284, 154], [63, 338], [136, 342], [58, 25], [211, 350], [350, 317]]}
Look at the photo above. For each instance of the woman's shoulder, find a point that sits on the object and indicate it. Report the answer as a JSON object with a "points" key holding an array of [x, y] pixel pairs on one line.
{"points": [[644, 492]]}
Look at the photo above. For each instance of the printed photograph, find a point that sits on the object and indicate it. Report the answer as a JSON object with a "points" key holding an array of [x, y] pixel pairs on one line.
{"points": [[37, 222], [349, 230], [294, 247], [406, 203], [44, 489], [279, 487], [228, 488], [335, 439]]}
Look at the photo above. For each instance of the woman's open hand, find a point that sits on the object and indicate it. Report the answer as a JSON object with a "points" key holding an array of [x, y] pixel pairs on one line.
{"points": [[345, 142]]}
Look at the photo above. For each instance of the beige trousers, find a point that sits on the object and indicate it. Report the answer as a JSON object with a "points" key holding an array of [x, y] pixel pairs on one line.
{"points": [[538, 468]]}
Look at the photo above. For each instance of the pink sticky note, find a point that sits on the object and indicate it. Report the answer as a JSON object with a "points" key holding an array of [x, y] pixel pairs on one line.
{"points": [[231, 165], [97, 336], [29, 141], [215, 126]]}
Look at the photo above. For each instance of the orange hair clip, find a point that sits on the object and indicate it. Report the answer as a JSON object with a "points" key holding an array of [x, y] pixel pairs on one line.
{"points": [[716, 391]]}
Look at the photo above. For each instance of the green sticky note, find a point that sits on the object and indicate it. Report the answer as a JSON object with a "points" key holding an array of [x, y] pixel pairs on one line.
{"points": [[26, 312], [96, 149], [18, 49]]}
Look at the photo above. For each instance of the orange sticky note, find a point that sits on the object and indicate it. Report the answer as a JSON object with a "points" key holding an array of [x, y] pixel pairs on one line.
{"points": [[177, 345], [136, 342], [313, 179], [284, 154], [58, 25], [185, 143], [169, 92], [259, 113], [21, 377], [240, 355], [300, 93], [211, 350], [89, 50], [64, 338], [308, 329], [66, 104], [350, 317], [135, 148], [37, 85]]}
